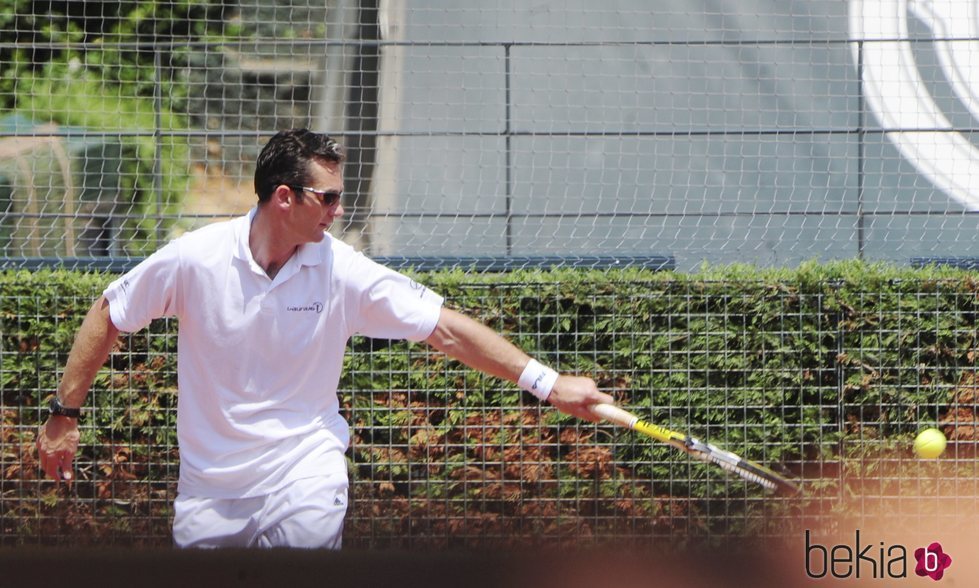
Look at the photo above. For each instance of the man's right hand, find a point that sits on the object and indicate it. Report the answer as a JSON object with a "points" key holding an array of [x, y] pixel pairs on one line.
{"points": [[57, 443]]}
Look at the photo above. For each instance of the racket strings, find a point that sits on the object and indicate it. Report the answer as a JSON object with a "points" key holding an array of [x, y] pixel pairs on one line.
{"points": [[707, 452], [728, 461], [746, 474]]}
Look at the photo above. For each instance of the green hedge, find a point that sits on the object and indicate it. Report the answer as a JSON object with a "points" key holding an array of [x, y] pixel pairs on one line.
{"points": [[785, 366]]}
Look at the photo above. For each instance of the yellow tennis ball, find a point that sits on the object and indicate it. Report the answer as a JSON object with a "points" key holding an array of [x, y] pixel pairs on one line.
{"points": [[929, 443]]}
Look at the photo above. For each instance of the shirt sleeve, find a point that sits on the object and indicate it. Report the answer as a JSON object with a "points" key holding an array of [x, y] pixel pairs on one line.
{"points": [[391, 305], [146, 292]]}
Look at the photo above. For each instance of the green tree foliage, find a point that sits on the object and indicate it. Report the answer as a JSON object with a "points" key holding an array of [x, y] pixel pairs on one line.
{"points": [[106, 66], [115, 39]]}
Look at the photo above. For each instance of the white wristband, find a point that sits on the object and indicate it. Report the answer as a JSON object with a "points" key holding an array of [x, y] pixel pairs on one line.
{"points": [[537, 379]]}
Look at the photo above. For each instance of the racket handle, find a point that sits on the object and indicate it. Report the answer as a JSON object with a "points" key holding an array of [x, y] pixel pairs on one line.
{"points": [[614, 414]]}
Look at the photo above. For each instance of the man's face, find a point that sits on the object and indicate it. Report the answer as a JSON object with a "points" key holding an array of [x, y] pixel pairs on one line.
{"points": [[314, 212]]}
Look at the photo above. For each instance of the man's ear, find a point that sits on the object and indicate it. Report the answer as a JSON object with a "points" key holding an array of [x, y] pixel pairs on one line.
{"points": [[283, 197]]}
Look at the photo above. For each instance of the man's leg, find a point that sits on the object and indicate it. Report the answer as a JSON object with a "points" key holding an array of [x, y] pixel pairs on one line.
{"points": [[216, 522], [307, 513]]}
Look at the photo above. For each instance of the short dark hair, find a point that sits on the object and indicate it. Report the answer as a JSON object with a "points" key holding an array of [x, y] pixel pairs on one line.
{"points": [[285, 159]]}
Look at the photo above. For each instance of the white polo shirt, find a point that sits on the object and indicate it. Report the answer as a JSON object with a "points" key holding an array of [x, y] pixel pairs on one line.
{"points": [[259, 360]]}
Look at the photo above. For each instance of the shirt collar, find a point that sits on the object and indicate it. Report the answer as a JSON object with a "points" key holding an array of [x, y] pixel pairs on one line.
{"points": [[243, 230], [308, 254]]}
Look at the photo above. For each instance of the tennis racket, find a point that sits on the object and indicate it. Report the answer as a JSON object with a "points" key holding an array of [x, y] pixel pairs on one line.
{"points": [[707, 452]]}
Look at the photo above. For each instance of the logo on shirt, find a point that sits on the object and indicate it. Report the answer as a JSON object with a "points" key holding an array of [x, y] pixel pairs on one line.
{"points": [[316, 307], [420, 289]]}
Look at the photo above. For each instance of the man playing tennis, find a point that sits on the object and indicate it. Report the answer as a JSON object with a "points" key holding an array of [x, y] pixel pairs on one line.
{"points": [[266, 304]]}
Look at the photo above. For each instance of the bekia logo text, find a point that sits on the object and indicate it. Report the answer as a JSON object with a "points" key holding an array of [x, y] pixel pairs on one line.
{"points": [[872, 559]]}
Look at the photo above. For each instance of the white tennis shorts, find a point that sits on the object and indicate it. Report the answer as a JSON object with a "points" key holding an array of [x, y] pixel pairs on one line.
{"points": [[307, 513]]}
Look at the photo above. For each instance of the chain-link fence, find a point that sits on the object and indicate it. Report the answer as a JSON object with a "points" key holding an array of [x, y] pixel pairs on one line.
{"points": [[762, 132], [493, 138], [826, 382]]}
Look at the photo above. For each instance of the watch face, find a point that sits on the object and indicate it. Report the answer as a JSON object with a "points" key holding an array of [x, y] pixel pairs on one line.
{"points": [[58, 410]]}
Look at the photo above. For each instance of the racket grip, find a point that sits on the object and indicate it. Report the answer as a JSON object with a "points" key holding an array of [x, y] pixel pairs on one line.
{"points": [[614, 414]]}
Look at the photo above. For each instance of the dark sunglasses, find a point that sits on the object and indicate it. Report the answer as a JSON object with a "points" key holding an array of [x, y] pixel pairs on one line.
{"points": [[326, 197]]}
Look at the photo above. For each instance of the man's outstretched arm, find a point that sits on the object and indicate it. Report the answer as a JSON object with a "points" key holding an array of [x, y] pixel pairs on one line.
{"points": [[481, 348], [57, 441]]}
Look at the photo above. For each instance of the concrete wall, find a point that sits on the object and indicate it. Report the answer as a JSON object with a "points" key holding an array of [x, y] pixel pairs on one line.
{"points": [[712, 131]]}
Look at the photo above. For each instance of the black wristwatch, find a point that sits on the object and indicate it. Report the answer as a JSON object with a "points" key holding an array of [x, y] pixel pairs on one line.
{"points": [[55, 408]]}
